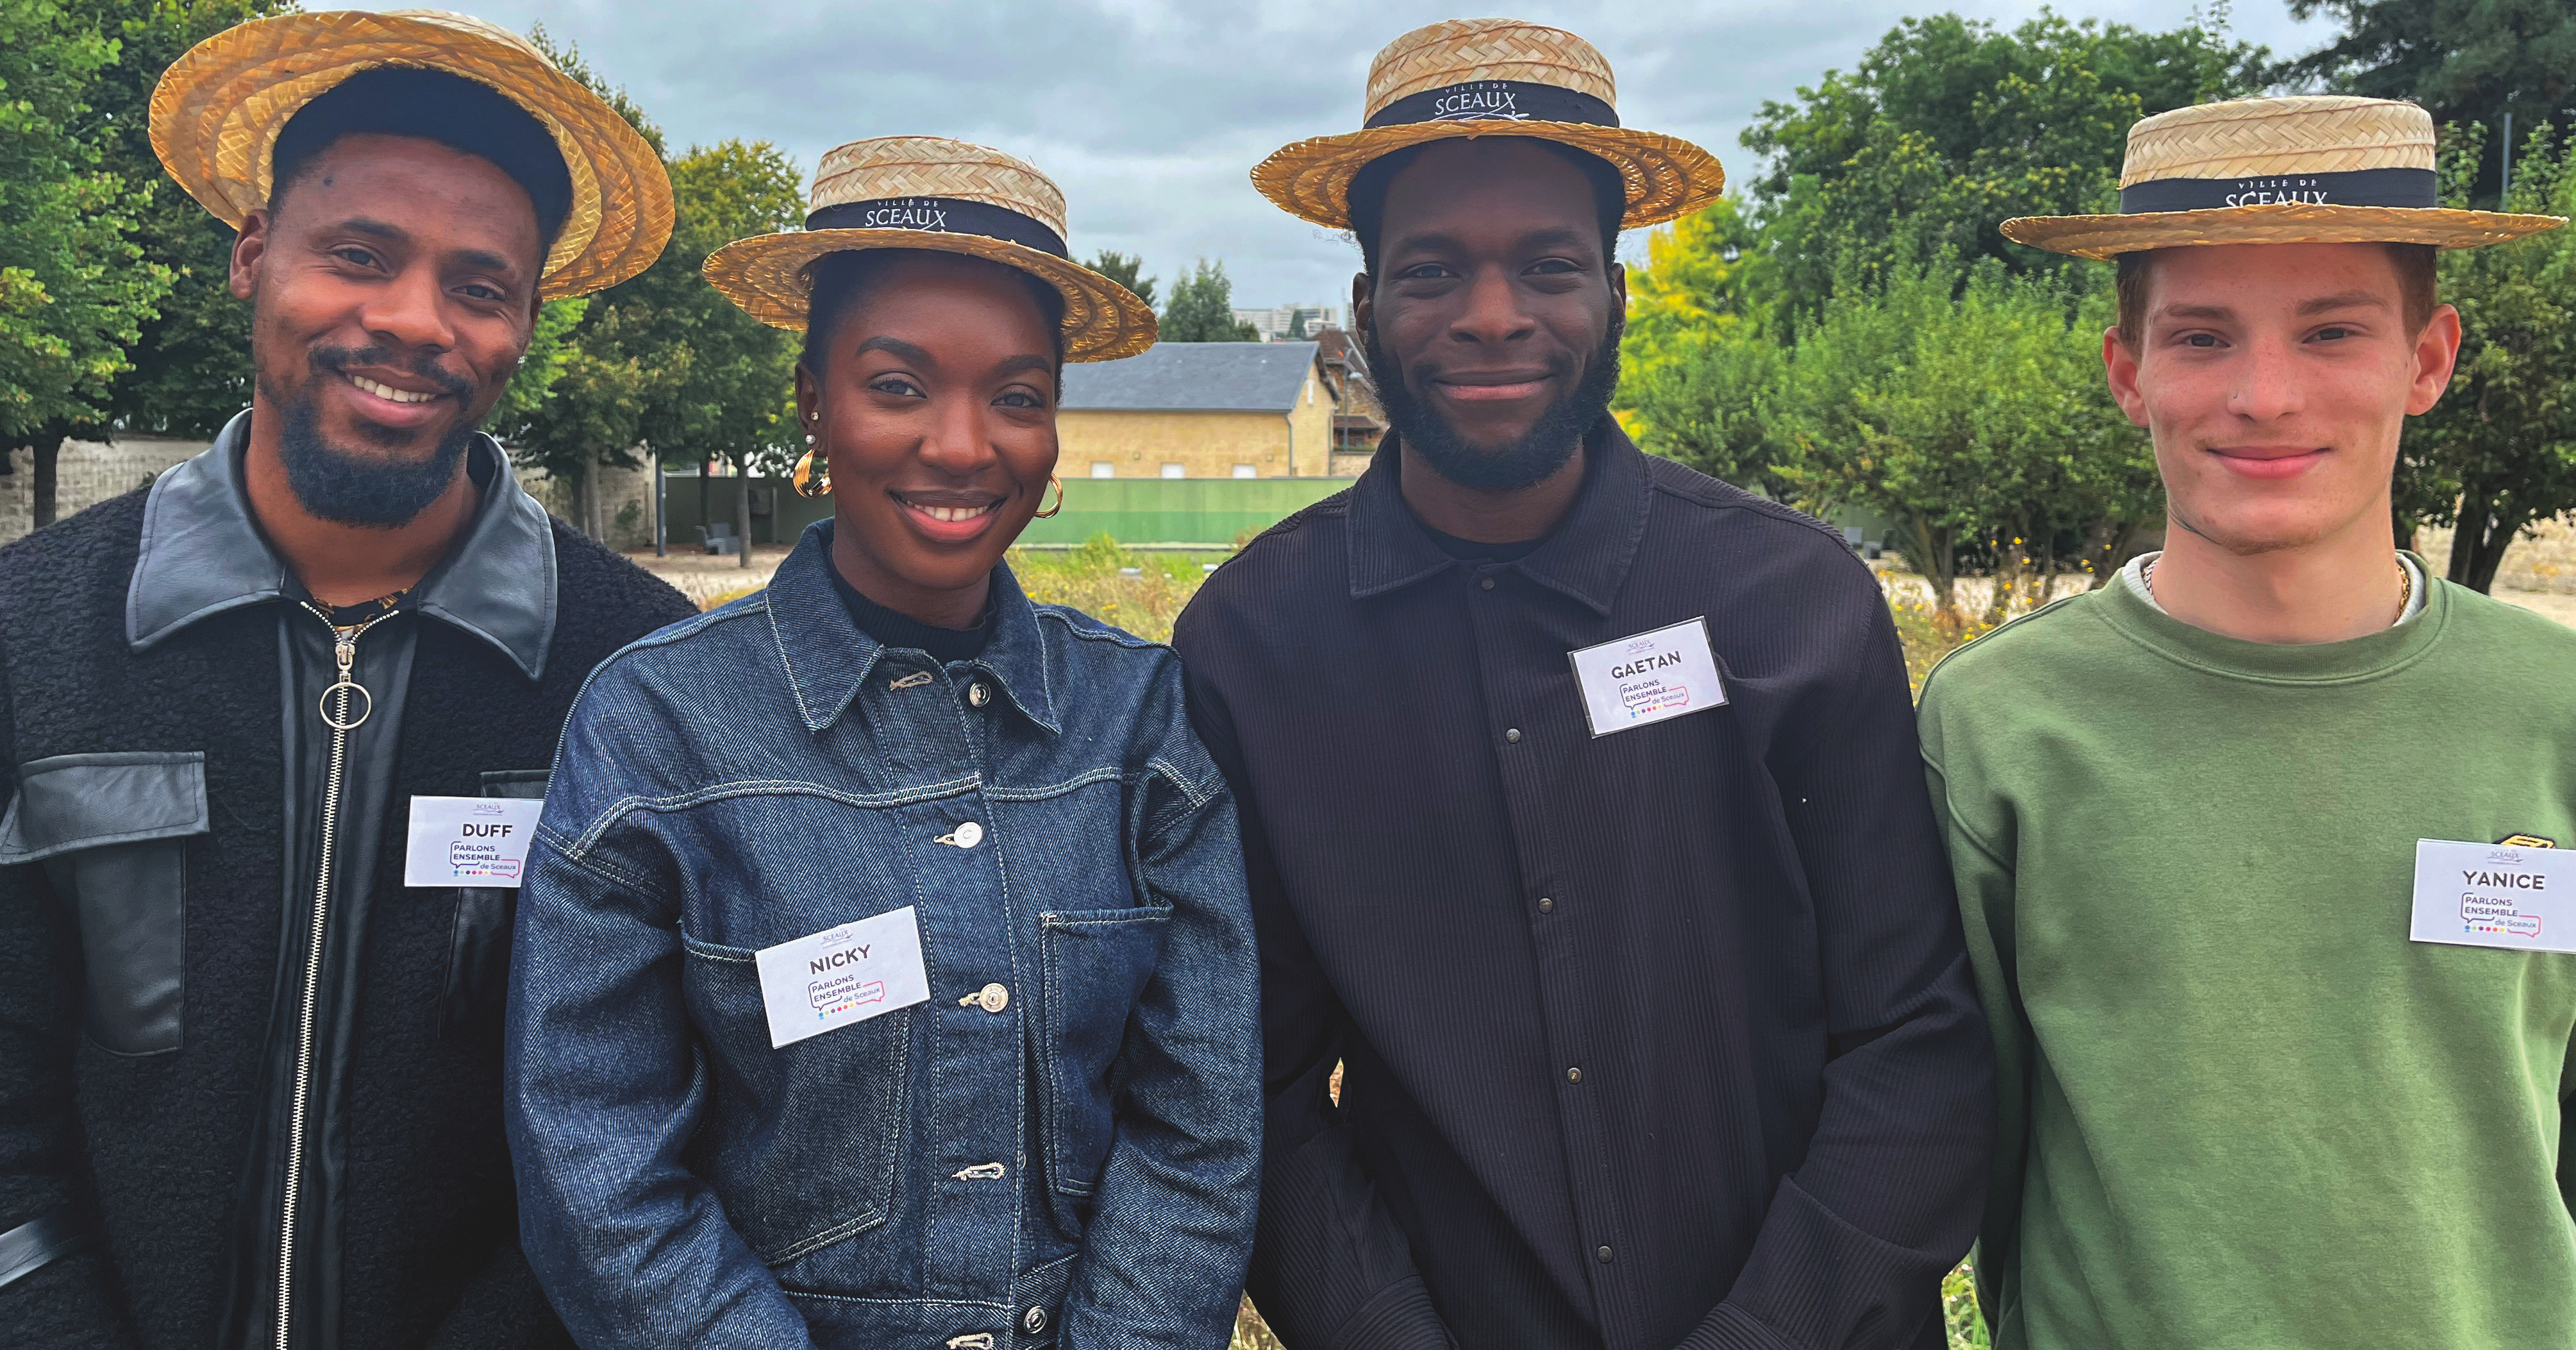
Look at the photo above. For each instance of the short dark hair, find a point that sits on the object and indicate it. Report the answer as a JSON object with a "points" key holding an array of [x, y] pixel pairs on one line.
{"points": [[2417, 292], [840, 280], [1368, 194], [464, 115]]}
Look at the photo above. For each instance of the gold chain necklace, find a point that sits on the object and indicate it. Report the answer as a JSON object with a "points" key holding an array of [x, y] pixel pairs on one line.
{"points": [[2405, 586]]}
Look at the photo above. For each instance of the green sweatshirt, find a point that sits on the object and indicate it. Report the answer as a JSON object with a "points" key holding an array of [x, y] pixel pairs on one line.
{"points": [[2240, 1109]]}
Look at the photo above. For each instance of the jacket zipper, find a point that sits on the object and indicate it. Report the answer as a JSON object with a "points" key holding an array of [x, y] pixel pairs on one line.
{"points": [[345, 649]]}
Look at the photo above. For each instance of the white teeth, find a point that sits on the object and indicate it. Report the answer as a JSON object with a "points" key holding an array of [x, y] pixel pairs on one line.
{"points": [[388, 392], [952, 514]]}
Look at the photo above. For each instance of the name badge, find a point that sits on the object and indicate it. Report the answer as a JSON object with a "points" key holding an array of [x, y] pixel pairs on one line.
{"points": [[1652, 677], [844, 974], [469, 841], [2495, 895]]}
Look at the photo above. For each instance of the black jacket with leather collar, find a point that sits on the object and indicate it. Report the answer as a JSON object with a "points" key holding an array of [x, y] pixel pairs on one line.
{"points": [[167, 771]]}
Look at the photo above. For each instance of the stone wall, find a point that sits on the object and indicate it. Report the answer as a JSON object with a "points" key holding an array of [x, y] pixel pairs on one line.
{"points": [[85, 474], [625, 503]]}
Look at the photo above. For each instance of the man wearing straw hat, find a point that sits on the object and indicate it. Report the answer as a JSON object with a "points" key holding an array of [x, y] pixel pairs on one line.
{"points": [[274, 725], [2261, 848], [1581, 803]]}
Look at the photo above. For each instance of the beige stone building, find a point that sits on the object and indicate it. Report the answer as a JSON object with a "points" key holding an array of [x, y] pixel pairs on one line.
{"points": [[1206, 410]]}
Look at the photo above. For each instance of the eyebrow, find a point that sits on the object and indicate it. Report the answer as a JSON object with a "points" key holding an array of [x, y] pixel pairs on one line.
{"points": [[376, 229], [1554, 236], [897, 348], [1016, 364], [2345, 300]]}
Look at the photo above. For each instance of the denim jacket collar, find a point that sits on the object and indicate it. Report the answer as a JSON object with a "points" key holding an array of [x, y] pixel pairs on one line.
{"points": [[1586, 557], [828, 656], [203, 554]]}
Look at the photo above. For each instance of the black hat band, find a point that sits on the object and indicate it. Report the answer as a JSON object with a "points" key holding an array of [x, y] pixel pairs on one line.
{"points": [[1497, 101], [941, 215], [2356, 187]]}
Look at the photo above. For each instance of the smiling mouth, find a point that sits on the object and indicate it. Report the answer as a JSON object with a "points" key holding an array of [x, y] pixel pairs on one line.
{"points": [[1492, 388], [948, 515], [388, 393]]}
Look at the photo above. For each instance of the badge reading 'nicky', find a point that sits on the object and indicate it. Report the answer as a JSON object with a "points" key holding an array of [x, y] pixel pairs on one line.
{"points": [[2495, 895], [846, 973], [469, 841], [1651, 677]]}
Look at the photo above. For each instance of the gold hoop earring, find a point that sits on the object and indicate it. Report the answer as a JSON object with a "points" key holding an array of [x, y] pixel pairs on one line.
{"points": [[812, 476], [1058, 485]]}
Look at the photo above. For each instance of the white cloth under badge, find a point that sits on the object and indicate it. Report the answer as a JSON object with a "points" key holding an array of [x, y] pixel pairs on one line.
{"points": [[2495, 895], [469, 841], [846, 973], [1651, 677]]}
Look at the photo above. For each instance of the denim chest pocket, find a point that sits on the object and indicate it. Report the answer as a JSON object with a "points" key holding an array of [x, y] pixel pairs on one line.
{"points": [[111, 830], [1095, 964], [800, 1143]]}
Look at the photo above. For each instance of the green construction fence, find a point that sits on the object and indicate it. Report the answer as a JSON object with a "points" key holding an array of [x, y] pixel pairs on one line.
{"points": [[1205, 513]]}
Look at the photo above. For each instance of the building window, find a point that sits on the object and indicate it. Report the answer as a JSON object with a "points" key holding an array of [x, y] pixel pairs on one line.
{"points": [[1101, 468], [1176, 471], [1246, 471]]}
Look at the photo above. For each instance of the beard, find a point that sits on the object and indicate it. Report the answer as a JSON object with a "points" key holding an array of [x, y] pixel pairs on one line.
{"points": [[348, 486], [1540, 451]]}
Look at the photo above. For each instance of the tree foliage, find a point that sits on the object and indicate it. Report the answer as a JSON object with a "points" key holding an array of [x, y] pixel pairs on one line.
{"points": [[2466, 61], [75, 289], [1127, 269], [2498, 453], [1202, 308]]}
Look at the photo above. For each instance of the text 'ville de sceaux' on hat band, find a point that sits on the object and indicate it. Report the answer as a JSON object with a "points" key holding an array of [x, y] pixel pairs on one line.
{"points": [[2411, 188], [1496, 101], [941, 215]]}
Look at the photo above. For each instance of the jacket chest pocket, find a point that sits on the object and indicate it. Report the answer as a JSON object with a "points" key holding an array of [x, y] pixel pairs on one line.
{"points": [[111, 831], [1096, 964], [478, 952]]}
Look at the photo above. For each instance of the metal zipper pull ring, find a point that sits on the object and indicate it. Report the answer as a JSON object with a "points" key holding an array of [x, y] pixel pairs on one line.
{"points": [[364, 710]]}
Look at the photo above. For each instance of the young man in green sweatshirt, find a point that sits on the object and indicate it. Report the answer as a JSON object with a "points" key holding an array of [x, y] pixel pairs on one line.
{"points": [[2261, 1085]]}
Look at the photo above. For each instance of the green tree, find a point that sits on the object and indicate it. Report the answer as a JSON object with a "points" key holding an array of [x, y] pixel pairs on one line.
{"points": [[1202, 308], [2465, 60], [1950, 126], [75, 289], [1127, 269], [2498, 453], [1703, 361]]}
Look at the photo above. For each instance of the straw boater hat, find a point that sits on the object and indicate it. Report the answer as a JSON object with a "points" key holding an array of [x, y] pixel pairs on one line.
{"points": [[934, 193], [2311, 169], [218, 109], [1492, 77]]}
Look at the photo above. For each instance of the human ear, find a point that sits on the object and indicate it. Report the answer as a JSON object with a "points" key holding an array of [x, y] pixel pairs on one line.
{"points": [[2437, 349], [1361, 288], [249, 247], [2120, 367], [809, 402]]}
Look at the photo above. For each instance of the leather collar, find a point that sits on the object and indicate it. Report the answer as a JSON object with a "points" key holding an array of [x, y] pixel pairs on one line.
{"points": [[203, 554]]}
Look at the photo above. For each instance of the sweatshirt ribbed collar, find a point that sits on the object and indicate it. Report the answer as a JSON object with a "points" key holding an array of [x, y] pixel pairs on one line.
{"points": [[2360, 658]]}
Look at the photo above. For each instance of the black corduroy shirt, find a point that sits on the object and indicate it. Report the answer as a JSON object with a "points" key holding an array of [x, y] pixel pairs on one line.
{"points": [[1657, 1038]]}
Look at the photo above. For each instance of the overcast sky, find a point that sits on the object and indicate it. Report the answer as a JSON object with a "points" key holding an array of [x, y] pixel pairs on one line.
{"points": [[1151, 113]]}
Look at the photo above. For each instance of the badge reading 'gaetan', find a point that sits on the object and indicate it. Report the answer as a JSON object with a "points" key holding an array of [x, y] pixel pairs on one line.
{"points": [[1651, 677]]}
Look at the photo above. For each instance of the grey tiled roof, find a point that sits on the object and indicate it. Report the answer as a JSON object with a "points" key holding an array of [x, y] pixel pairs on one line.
{"points": [[1193, 377]]}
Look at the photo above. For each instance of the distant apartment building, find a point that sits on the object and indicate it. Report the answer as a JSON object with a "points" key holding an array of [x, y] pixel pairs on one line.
{"points": [[1291, 323]]}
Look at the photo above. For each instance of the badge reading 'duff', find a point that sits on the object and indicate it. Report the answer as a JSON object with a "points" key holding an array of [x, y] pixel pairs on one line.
{"points": [[1647, 678]]}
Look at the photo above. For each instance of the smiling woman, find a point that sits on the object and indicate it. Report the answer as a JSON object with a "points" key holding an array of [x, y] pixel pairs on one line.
{"points": [[1027, 1112]]}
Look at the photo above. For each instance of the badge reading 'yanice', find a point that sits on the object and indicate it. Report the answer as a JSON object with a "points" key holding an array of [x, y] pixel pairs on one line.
{"points": [[847, 973], [469, 841], [2495, 895], [1651, 677]]}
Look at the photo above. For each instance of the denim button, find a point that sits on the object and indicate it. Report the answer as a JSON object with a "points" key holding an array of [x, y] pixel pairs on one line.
{"points": [[966, 835], [994, 998], [979, 693], [1034, 1321]]}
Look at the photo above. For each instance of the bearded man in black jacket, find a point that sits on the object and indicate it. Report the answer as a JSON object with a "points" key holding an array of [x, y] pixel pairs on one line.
{"points": [[249, 1075]]}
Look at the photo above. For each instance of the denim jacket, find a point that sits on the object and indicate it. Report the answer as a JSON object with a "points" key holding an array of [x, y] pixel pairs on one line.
{"points": [[1060, 1147]]}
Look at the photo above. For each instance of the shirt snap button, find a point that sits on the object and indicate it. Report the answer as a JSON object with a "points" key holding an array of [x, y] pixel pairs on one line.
{"points": [[1604, 1254], [1574, 1076], [967, 835], [1034, 1321], [1487, 583], [1546, 905], [1513, 735], [993, 998], [979, 693]]}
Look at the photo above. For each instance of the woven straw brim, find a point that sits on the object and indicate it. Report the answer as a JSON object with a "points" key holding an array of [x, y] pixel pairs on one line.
{"points": [[218, 109], [769, 277], [1667, 177], [2103, 238]]}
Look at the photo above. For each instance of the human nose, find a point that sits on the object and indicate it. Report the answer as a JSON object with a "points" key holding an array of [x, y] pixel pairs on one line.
{"points": [[1493, 312], [2265, 387], [410, 312], [960, 440]]}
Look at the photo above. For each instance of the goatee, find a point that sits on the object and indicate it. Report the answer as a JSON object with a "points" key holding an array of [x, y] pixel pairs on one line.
{"points": [[1540, 451], [348, 486]]}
